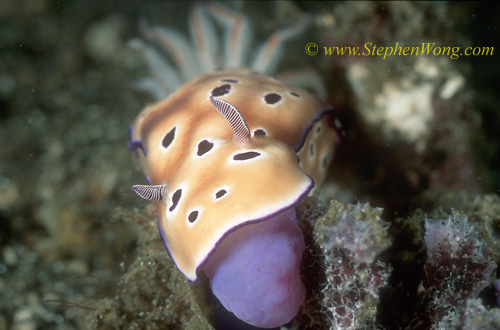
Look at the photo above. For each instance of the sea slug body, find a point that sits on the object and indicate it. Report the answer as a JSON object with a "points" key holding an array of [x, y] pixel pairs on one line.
{"points": [[227, 157]]}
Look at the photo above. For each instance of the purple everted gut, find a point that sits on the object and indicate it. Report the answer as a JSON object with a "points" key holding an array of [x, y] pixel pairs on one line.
{"points": [[269, 291]]}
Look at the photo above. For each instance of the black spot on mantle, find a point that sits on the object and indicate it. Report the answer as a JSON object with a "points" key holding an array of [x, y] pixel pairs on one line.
{"points": [[193, 216], [168, 139], [204, 147], [221, 90], [272, 98], [246, 155], [175, 199], [220, 193]]}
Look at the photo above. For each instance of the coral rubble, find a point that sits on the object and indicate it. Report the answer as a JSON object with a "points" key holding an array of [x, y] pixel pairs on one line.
{"points": [[351, 239], [459, 265]]}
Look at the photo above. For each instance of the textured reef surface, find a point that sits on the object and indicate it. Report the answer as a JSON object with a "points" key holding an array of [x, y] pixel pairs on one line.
{"points": [[406, 234]]}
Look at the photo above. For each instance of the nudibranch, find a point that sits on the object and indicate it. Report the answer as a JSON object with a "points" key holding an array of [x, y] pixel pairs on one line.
{"points": [[227, 156]]}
